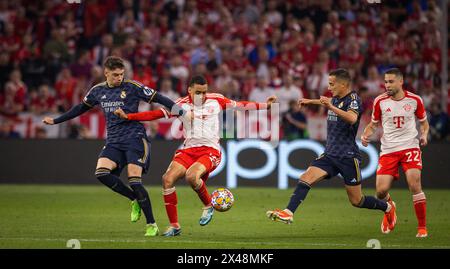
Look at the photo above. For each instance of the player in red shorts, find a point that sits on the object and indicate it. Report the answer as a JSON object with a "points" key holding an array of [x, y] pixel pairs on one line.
{"points": [[200, 153], [397, 109]]}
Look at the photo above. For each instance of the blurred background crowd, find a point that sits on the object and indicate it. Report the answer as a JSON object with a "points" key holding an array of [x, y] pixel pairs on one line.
{"points": [[51, 53]]}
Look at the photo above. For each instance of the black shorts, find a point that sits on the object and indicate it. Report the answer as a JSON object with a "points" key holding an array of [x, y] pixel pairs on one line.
{"points": [[347, 167], [135, 151]]}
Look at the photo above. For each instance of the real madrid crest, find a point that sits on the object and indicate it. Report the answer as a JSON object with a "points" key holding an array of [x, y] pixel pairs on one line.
{"points": [[340, 104], [123, 94]]}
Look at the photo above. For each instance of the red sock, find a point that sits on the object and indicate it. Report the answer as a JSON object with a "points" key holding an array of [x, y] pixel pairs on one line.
{"points": [[420, 206], [203, 194], [170, 201]]}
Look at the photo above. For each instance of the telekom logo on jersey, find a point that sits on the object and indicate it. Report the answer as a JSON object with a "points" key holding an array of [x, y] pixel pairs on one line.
{"points": [[399, 121]]}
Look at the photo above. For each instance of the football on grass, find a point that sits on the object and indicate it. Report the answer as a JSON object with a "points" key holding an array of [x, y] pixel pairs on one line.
{"points": [[222, 199]]}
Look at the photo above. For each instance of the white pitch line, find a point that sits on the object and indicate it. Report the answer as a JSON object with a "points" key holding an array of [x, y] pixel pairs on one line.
{"points": [[214, 242], [173, 241]]}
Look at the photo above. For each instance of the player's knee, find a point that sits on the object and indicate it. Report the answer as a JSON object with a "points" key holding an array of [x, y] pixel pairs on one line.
{"points": [[415, 188], [307, 178], [102, 172], [191, 177], [355, 201], [167, 181]]}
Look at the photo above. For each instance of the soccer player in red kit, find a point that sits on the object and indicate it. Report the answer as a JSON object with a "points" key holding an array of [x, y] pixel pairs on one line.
{"points": [[397, 110], [200, 153]]}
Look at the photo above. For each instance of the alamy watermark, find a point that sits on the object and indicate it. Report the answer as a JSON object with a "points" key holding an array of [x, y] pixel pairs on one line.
{"points": [[235, 120]]}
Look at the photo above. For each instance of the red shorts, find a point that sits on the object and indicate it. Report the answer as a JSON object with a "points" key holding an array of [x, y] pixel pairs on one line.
{"points": [[209, 157], [388, 164]]}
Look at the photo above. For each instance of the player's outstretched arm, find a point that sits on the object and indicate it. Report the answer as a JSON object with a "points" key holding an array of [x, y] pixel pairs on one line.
{"points": [[141, 116], [247, 105], [72, 113], [368, 132], [304, 101]]}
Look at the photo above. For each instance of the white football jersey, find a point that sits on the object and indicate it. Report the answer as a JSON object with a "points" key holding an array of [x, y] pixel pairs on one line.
{"points": [[398, 119], [204, 128]]}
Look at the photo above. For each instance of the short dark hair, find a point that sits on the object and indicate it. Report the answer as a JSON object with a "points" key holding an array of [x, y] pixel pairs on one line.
{"points": [[198, 79], [341, 74], [113, 62], [394, 71]]}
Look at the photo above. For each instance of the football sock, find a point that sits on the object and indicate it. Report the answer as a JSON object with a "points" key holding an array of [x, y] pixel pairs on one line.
{"points": [[420, 207], [171, 201], [142, 198], [114, 183], [386, 198], [298, 196], [371, 202], [203, 193]]}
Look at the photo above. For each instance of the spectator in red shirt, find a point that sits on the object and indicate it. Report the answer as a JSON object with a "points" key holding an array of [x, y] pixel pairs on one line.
{"points": [[10, 41], [82, 67], [43, 101], [351, 57], [143, 73], [238, 63], [94, 20], [65, 89], [9, 105], [22, 23], [27, 48], [309, 49]]}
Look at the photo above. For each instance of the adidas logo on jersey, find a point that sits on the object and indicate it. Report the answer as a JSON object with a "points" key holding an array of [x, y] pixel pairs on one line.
{"points": [[104, 97], [388, 110]]}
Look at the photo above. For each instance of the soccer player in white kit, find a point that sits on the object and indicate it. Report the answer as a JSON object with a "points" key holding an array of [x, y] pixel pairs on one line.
{"points": [[397, 110], [200, 153]]}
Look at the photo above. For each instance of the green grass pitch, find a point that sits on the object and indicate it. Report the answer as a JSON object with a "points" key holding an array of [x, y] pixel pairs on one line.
{"points": [[46, 216]]}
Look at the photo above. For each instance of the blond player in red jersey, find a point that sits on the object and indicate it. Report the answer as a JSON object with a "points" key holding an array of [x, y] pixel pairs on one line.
{"points": [[397, 109], [200, 153]]}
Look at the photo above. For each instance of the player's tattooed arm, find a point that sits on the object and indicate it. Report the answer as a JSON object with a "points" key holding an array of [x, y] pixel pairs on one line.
{"points": [[424, 129]]}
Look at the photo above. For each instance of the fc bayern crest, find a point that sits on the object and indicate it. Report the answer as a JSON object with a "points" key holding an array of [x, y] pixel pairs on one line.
{"points": [[407, 107], [123, 94]]}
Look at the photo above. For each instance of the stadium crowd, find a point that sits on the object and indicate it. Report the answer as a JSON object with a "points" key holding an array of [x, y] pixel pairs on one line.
{"points": [[51, 52]]}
